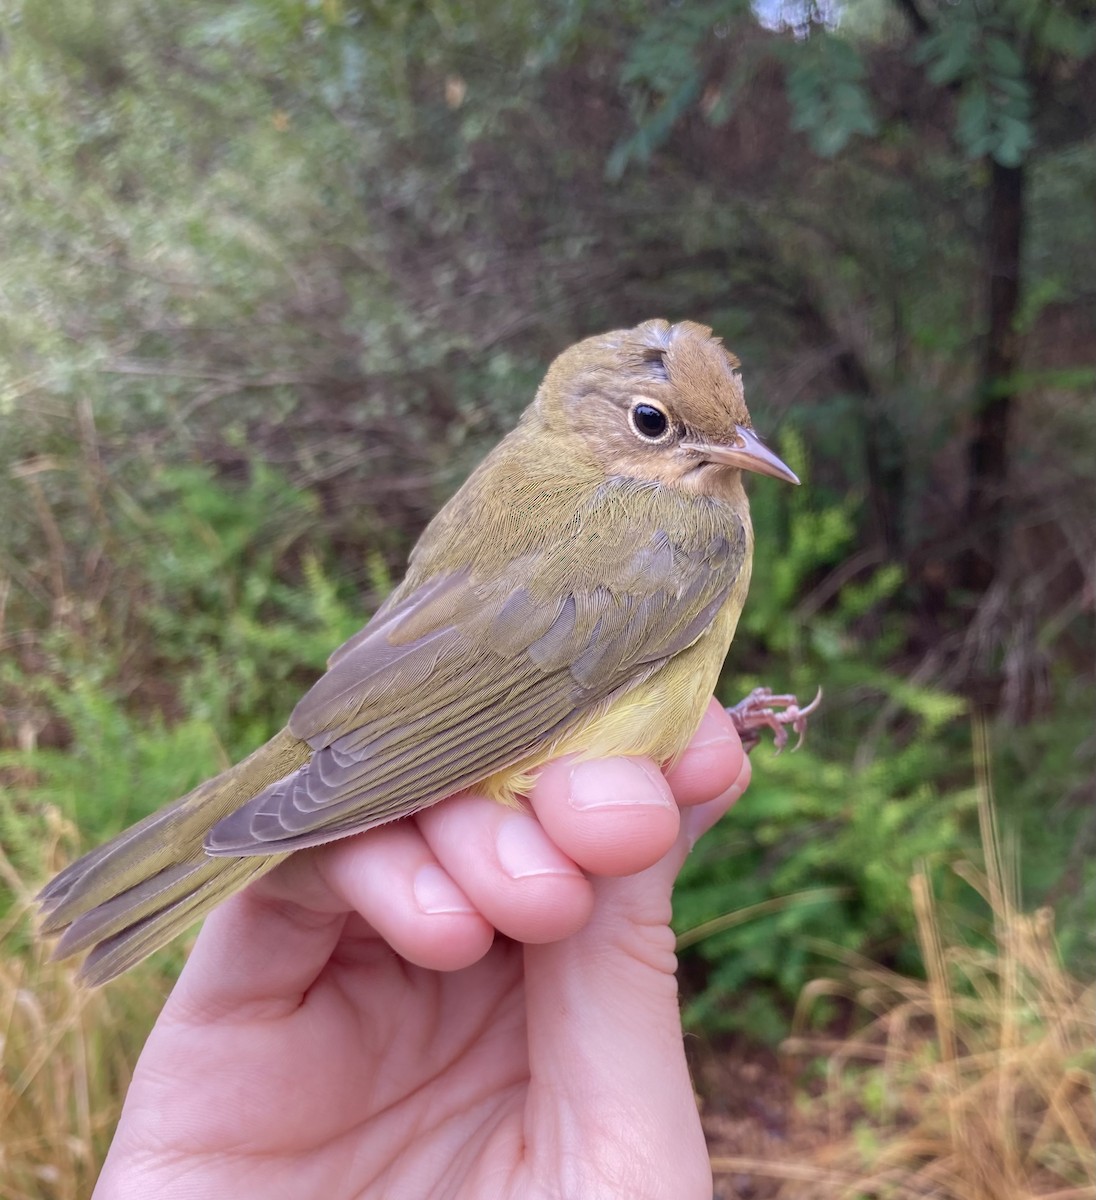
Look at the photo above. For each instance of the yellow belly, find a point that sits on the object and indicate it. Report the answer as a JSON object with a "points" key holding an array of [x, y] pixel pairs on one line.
{"points": [[656, 719]]}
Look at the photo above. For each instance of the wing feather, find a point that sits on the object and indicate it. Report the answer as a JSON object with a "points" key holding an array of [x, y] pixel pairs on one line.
{"points": [[460, 677]]}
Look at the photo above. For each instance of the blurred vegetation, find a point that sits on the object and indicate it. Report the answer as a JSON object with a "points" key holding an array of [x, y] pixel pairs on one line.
{"points": [[274, 273], [974, 1082]]}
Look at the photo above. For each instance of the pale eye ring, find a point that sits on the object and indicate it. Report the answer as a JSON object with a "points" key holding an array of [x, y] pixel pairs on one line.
{"points": [[650, 421]]}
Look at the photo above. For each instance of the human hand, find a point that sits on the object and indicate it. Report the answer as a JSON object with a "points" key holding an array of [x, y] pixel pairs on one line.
{"points": [[351, 1026]]}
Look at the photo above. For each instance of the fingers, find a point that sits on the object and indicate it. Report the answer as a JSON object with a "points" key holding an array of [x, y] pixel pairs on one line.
{"points": [[436, 888], [604, 817], [696, 821], [392, 880], [611, 816], [256, 956], [496, 869], [711, 764], [509, 867], [268, 944], [527, 876]]}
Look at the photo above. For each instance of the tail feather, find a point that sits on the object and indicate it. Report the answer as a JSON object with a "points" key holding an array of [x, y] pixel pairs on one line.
{"points": [[117, 914], [129, 897], [136, 855], [120, 951]]}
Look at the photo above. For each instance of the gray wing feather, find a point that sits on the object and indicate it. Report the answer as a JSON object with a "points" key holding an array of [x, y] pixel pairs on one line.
{"points": [[538, 667]]}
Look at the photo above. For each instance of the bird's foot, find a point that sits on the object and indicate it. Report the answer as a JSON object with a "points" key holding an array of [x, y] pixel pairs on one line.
{"points": [[762, 710]]}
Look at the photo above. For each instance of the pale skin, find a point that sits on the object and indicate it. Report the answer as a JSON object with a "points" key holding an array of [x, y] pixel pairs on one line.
{"points": [[354, 1025]]}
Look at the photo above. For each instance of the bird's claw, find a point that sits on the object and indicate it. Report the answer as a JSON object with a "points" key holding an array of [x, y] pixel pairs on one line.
{"points": [[762, 710]]}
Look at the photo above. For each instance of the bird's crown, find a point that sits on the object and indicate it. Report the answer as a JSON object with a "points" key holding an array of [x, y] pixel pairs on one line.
{"points": [[683, 366]]}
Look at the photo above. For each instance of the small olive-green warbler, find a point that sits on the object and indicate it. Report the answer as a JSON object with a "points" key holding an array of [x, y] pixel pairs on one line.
{"points": [[576, 596]]}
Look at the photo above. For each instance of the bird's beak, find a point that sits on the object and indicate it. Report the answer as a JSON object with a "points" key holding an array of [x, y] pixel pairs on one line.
{"points": [[748, 452]]}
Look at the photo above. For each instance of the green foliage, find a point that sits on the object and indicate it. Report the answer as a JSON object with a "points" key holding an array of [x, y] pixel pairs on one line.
{"points": [[119, 766], [808, 823], [980, 55], [986, 55], [1043, 775], [245, 640], [273, 276], [818, 853], [841, 835], [662, 76], [826, 90], [227, 642]]}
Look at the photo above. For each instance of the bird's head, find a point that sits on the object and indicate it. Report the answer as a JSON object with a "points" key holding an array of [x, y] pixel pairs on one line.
{"points": [[659, 403]]}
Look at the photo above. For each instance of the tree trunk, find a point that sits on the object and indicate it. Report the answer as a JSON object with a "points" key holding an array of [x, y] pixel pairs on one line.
{"points": [[988, 452]]}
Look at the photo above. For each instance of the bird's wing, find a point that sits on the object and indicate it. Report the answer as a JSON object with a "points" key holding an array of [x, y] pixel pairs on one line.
{"points": [[464, 677]]}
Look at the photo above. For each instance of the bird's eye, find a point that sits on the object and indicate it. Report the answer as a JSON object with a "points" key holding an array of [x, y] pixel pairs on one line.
{"points": [[649, 421]]}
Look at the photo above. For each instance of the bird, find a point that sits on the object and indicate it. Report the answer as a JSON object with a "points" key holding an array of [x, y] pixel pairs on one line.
{"points": [[577, 595]]}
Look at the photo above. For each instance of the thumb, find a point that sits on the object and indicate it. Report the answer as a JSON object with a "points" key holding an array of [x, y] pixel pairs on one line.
{"points": [[607, 1063]]}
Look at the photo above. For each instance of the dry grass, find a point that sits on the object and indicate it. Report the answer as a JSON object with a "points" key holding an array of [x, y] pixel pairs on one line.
{"points": [[65, 1057], [975, 1083]]}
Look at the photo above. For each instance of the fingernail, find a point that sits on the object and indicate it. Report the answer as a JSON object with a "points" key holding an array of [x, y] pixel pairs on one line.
{"points": [[616, 783], [435, 892], [523, 850], [696, 821]]}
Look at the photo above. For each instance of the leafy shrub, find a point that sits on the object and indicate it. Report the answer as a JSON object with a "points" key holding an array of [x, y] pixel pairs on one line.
{"points": [[823, 842]]}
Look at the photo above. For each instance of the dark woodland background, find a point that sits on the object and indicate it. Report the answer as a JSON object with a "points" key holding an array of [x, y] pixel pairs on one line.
{"points": [[275, 273]]}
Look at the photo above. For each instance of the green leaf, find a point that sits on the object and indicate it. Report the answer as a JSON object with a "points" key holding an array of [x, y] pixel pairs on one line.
{"points": [[948, 52], [829, 102], [1002, 58], [1062, 32]]}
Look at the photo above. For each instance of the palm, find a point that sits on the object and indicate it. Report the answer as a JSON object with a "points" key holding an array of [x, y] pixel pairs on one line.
{"points": [[387, 1079], [380, 1058]]}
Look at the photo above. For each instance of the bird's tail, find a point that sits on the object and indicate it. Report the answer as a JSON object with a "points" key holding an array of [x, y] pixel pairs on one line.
{"points": [[131, 896]]}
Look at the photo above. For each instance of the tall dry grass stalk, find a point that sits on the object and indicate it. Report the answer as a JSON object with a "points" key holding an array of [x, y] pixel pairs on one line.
{"points": [[66, 1053], [974, 1083]]}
